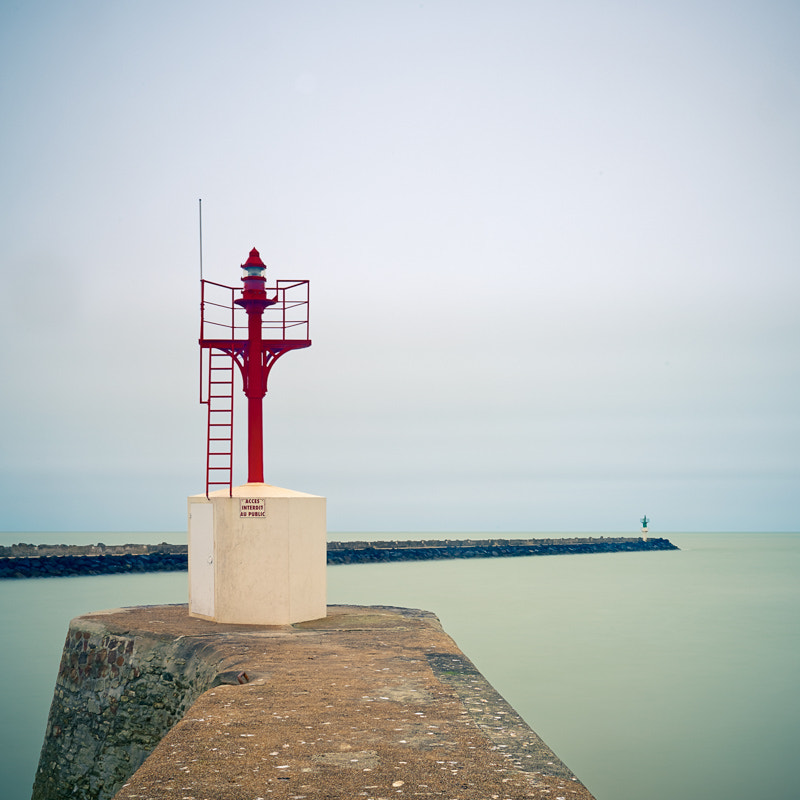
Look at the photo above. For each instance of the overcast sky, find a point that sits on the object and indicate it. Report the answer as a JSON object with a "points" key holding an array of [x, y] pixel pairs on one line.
{"points": [[554, 253]]}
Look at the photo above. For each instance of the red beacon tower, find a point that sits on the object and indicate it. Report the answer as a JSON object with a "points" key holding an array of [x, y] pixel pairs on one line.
{"points": [[276, 322], [257, 552]]}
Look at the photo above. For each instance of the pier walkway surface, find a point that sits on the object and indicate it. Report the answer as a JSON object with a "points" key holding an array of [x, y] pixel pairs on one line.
{"points": [[368, 702]]}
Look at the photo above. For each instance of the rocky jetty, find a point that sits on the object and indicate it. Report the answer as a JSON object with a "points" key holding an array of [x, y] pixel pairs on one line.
{"points": [[62, 560], [423, 550], [41, 561]]}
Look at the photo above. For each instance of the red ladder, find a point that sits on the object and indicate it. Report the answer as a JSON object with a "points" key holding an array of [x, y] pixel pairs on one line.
{"points": [[219, 450]]}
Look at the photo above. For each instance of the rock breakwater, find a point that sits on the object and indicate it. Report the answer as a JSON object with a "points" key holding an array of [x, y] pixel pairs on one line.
{"points": [[423, 550], [41, 561]]}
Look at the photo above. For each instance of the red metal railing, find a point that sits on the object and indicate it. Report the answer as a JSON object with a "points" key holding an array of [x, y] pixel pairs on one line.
{"points": [[285, 320], [223, 342]]}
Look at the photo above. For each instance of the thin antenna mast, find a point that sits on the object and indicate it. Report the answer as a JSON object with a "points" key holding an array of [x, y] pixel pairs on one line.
{"points": [[200, 212]]}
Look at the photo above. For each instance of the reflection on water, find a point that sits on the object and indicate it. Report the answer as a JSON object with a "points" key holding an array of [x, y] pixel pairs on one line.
{"points": [[652, 675]]}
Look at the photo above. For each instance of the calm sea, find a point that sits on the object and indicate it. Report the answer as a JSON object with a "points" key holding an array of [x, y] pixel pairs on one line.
{"points": [[652, 675]]}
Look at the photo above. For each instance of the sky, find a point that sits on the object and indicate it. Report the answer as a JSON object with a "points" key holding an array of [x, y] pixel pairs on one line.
{"points": [[553, 247]]}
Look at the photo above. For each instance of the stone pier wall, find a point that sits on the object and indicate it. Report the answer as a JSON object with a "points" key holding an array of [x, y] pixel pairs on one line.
{"points": [[116, 696]]}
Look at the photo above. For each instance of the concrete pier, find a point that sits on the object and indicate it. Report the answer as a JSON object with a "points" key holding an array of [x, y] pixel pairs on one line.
{"points": [[367, 702]]}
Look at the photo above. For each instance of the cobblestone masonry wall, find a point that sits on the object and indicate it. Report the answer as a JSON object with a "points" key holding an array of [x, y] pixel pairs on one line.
{"points": [[115, 698]]}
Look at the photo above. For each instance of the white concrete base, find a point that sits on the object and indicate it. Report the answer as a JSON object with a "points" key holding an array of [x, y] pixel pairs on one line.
{"points": [[258, 557]]}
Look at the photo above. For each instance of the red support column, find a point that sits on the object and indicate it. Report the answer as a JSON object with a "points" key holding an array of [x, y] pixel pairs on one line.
{"points": [[254, 301], [255, 392]]}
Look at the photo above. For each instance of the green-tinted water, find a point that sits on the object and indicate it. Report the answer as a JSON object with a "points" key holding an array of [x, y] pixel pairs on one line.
{"points": [[652, 675]]}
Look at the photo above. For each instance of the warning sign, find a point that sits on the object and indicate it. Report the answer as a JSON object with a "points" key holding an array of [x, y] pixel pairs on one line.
{"points": [[251, 507]]}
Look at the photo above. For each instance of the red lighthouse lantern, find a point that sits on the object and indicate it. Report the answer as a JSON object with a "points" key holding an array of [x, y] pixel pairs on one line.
{"points": [[276, 322]]}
